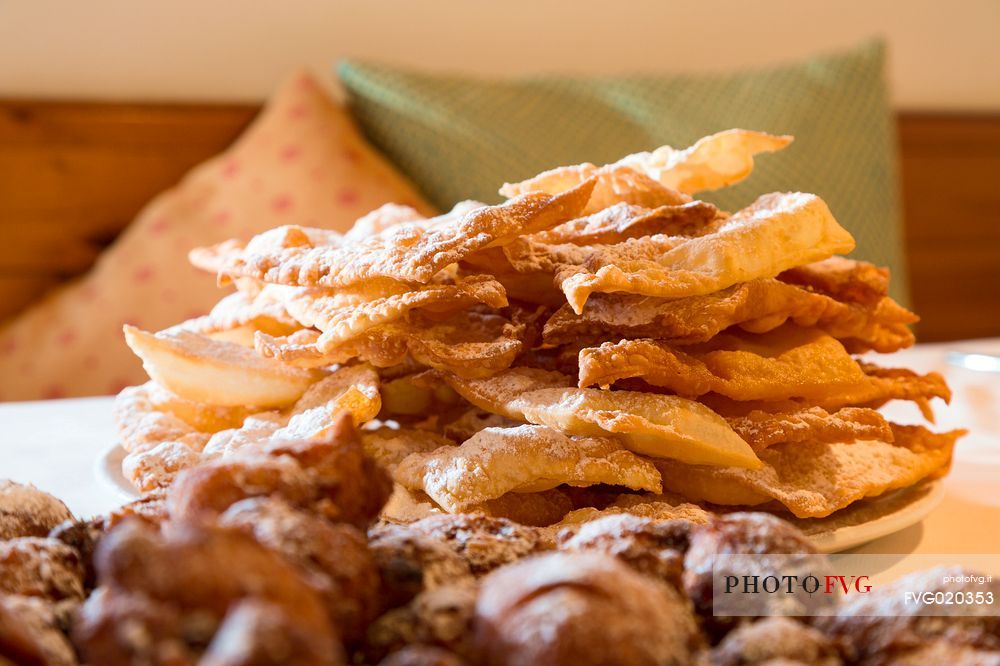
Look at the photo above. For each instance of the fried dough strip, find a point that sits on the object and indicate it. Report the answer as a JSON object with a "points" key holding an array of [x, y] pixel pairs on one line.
{"points": [[385, 216], [236, 317], [411, 252], [213, 259], [844, 279], [649, 179], [145, 419], [390, 446], [526, 255], [467, 343], [655, 425], [160, 442], [622, 221], [814, 479], [526, 458], [763, 429], [790, 363], [340, 322], [777, 232], [614, 183], [757, 306]]}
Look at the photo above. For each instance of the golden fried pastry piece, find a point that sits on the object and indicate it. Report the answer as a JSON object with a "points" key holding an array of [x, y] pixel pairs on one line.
{"points": [[791, 363], [651, 424], [763, 429], [158, 632], [410, 562], [259, 633], [814, 479], [622, 221], [527, 458], [176, 587], [658, 178], [440, 616], [215, 258], [200, 416], [335, 555], [713, 162], [410, 252], [534, 509], [30, 634], [757, 306], [741, 533], [40, 567], [26, 511], [614, 183], [339, 322], [380, 219], [422, 655], [775, 640], [647, 506], [777, 232], [473, 420], [469, 343], [845, 279], [576, 609], [652, 547], [160, 444], [484, 542], [198, 368], [237, 316], [390, 446], [885, 628], [331, 476]]}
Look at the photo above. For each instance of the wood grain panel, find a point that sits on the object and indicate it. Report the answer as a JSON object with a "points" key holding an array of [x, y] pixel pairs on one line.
{"points": [[73, 175], [951, 201]]}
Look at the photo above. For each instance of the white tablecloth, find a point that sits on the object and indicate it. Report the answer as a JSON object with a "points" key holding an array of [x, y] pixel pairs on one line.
{"points": [[56, 444]]}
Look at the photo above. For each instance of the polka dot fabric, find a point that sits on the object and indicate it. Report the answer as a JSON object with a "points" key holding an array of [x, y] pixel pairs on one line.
{"points": [[301, 162]]}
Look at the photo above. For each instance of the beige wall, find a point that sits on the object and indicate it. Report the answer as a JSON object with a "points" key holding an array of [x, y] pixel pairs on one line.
{"points": [[944, 55]]}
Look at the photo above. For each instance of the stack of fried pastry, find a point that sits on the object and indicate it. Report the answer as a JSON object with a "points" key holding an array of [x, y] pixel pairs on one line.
{"points": [[600, 342]]}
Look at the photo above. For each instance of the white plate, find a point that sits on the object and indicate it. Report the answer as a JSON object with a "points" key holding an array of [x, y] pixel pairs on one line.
{"points": [[109, 473]]}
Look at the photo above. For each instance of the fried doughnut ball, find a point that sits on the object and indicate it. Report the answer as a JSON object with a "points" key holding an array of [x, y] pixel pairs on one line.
{"points": [[174, 586], [256, 633], [773, 639], [204, 567], [484, 542], [652, 547], [115, 626], [422, 655], [83, 537], [36, 567], [336, 555], [750, 533], [351, 486], [26, 511], [575, 609], [440, 616], [151, 507], [410, 562], [882, 627], [332, 477], [30, 634]]}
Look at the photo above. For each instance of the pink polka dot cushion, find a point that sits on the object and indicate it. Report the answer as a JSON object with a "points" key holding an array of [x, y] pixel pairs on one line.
{"points": [[301, 162]]}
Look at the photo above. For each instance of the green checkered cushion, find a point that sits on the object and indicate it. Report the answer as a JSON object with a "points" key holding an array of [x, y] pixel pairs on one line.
{"points": [[461, 138]]}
